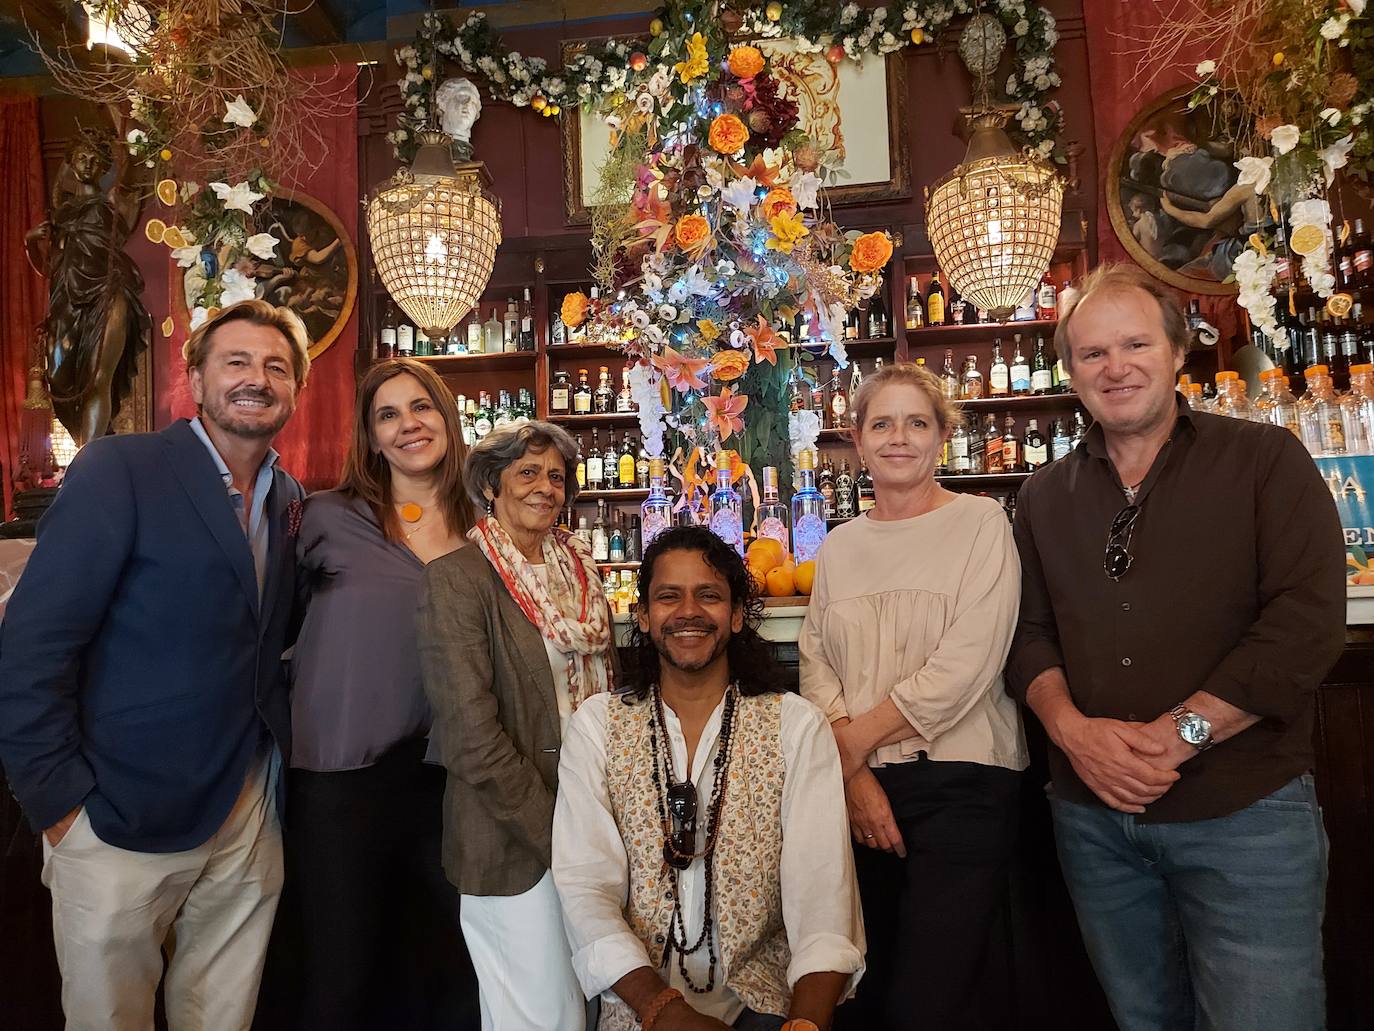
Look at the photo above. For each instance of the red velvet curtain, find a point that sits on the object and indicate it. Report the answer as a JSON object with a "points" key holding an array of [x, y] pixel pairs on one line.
{"points": [[315, 440], [22, 292], [1114, 32]]}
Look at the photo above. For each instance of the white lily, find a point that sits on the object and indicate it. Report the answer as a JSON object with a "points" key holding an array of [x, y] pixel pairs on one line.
{"points": [[262, 245], [696, 283], [1336, 156], [237, 287], [804, 187], [185, 257], [1255, 170], [1285, 138], [237, 112], [237, 198], [740, 194], [198, 316]]}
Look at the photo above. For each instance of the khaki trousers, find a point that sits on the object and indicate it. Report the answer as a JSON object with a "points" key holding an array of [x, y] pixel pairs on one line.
{"points": [[115, 912]]}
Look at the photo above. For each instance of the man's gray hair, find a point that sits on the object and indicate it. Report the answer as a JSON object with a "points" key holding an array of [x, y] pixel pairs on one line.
{"points": [[488, 458]]}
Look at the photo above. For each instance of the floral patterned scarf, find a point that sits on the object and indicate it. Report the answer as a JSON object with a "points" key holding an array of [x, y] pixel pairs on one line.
{"points": [[566, 605]]}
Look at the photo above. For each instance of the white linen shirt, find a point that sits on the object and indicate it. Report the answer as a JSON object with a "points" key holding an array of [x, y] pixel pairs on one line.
{"points": [[820, 902]]}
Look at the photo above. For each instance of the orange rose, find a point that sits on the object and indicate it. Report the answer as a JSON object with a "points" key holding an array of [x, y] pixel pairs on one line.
{"points": [[728, 134], [746, 62], [871, 252], [574, 311], [691, 232], [779, 201], [728, 365]]}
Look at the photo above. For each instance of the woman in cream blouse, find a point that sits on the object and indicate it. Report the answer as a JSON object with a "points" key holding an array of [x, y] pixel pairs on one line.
{"points": [[905, 638]]}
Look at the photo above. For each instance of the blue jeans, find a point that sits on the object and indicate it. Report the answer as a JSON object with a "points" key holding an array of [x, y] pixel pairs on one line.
{"points": [[1212, 925], [751, 1021]]}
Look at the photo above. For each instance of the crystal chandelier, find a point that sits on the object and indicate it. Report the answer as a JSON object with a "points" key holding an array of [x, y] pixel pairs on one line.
{"points": [[993, 221], [434, 230]]}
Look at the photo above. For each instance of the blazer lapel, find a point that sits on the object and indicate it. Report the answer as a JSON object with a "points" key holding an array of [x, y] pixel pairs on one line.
{"points": [[529, 644], [199, 478]]}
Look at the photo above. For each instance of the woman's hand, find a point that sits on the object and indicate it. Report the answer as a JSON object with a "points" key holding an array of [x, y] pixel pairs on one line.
{"points": [[870, 815]]}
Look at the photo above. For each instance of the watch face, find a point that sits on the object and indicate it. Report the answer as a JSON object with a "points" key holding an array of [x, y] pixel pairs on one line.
{"points": [[1194, 729]]}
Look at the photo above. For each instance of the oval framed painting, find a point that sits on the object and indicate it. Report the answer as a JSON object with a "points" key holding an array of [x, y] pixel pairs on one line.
{"points": [[313, 272], [1173, 199]]}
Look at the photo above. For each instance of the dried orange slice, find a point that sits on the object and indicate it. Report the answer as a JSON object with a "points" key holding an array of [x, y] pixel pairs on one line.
{"points": [[167, 192], [1307, 238], [1339, 305], [168, 326], [155, 229], [172, 236]]}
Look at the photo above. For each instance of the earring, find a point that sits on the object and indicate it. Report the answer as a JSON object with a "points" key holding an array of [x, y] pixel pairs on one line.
{"points": [[491, 506]]}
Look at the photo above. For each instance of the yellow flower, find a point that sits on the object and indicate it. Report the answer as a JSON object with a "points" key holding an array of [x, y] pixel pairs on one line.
{"points": [[871, 252], [708, 329], [165, 154], [787, 230], [696, 64], [728, 134], [746, 62]]}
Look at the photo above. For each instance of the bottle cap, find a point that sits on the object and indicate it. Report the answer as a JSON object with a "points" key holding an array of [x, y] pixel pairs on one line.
{"points": [[1361, 369], [723, 462], [656, 466], [770, 478], [806, 459], [1316, 370], [1225, 376]]}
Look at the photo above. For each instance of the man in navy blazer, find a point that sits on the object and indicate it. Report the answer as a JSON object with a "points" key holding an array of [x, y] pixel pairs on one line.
{"points": [[143, 709]]}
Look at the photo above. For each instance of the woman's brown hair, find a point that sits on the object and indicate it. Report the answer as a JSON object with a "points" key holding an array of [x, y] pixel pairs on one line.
{"points": [[367, 474]]}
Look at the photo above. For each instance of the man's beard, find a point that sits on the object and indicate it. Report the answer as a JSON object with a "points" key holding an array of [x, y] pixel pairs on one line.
{"points": [[661, 645], [226, 417]]}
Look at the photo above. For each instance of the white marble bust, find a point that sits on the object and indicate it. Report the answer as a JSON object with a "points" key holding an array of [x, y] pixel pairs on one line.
{"points": [[460, 105]]}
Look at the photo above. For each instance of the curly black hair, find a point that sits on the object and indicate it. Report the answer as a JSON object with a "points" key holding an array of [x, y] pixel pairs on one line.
{"points": [[751, 660]]}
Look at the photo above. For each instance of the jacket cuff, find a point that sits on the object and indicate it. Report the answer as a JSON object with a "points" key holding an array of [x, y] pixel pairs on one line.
{"points": [[63, 789]]}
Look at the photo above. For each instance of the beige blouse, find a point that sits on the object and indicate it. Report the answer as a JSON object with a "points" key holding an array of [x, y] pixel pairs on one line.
{"points": [[921, 611]]}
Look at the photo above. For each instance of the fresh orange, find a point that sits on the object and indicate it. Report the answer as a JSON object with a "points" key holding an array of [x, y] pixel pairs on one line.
{"points": [[781, 583], [805, 576], [765, 554]]}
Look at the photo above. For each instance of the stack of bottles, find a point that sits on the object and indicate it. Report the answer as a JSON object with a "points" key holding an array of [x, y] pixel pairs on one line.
{"points": [[1328, 422], [479, 416], [1037, 371], [939, 304], [501, 333], [582, 399], [619, 467]]}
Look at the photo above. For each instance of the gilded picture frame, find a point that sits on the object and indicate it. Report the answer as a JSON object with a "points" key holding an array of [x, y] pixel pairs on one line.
{"points": [[856, 108], [1172, 197]]}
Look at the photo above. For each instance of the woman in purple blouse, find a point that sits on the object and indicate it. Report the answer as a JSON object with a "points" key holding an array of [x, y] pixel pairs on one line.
{"points": [[382, 945]]}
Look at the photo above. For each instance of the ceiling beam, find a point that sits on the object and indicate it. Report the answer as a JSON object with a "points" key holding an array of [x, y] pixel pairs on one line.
{"points": [[319, 24]]}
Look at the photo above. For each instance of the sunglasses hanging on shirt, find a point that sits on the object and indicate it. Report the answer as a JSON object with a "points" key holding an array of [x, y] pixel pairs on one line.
{"points": [[1117, 560]]}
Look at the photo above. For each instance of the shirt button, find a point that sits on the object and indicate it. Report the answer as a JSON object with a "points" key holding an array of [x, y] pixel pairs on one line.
{"points": [[1126, 661], [1125, 606]]}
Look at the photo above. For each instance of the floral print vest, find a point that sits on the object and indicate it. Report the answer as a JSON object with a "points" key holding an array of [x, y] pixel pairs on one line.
{"points": [[752, 941]]}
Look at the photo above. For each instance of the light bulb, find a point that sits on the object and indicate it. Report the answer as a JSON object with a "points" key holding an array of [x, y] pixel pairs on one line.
{"points": [[435, 250]]}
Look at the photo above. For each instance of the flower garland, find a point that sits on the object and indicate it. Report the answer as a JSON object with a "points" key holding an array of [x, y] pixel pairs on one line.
{"points": [[1299, 78], [602, 76]]}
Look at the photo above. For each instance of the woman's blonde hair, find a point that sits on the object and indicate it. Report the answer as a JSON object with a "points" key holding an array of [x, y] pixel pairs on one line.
{"points": [[947, 412], [259, 313]]}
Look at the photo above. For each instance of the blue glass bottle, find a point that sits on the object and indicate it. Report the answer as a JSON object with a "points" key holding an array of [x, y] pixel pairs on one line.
{"points": [[808, 511], [727, 510]]}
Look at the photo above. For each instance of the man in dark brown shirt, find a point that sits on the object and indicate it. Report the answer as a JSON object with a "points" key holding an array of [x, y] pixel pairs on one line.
{"points": [[1183, 595]]}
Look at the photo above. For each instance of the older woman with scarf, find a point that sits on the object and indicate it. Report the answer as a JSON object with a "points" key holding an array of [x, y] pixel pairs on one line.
{"points": [[514, 634]]}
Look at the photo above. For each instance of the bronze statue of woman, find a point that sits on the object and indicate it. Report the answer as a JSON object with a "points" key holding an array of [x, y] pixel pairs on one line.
{"points": [[97, 325]]}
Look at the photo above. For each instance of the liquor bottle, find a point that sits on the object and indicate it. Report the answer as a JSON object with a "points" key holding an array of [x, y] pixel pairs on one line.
{"points": [[957, 309], [595, 463], [482, 425], [1080, 428], [1020, 370], [633, 551], [818, 403], [808, 511], [1034, 447], [844, 492], [626, 479], [1311, 340], [656, 512], [610, 462], [839, 403], [865, 490], [501, 415], [642, 467], [915, 307], [624, 401], [878, 326], [826, 486], [949, 379], [772, 514], [386, 336], [472, 331], [1363, 257], [603, 401], [1060, 441], [992, 447], [526, 342], [798, 391], [999, 373], [616, 546], [1025, 311], [510, 327], [1011, 448], [935, 301], [1350, 342], [581, 464], [405, 340], [971, 382], [1337, 366], [1047, 299], [492, 339], [470, 423], [582, 396], [584, 532], [959, 463], [727, 510], [852, 325], [1042, 379], [558, 332], [560, 394], [601, 540]]}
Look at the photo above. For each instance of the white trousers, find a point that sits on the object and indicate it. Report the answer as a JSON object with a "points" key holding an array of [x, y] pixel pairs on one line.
{"points": [[524, 968], [211, 909]]}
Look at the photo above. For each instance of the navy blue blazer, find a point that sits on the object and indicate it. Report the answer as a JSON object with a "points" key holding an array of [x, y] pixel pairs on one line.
{"points": [[138, 670]]}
